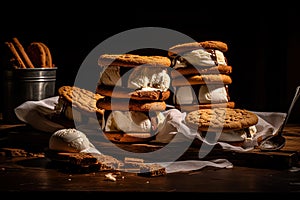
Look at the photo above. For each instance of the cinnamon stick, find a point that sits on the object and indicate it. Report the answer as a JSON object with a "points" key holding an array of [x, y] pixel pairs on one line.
{"points": [[22, 53], [16, 60]]}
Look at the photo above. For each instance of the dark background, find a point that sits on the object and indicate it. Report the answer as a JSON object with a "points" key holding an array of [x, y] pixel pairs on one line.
{"points": [[263, 41]]}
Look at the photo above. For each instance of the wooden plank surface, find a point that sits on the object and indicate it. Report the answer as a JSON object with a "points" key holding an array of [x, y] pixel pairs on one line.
{"points": [[288, 156]]}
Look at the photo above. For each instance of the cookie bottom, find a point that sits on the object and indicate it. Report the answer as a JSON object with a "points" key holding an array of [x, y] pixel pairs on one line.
{"points": [[121, 137], [202, 79], [130, 105], [192, 107], [194, 70], [121, 92]]}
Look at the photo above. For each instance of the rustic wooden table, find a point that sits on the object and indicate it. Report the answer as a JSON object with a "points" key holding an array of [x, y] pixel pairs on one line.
{"points": [[27, 170]]}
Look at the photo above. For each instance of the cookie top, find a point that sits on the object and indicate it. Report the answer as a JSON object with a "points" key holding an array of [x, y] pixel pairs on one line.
{"points": [[121, 92], [81, 98], [190, 70], [130, 105], [224, 119], [132, 60], [185, 47], [202, 79], [193, 107]]}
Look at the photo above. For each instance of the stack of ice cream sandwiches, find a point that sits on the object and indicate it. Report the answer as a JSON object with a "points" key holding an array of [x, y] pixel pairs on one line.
{"points": [[135, 90], [201, 80], [200, 75]]}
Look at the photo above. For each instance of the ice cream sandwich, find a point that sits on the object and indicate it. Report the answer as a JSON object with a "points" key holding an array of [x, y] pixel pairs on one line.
{"points": [[200, 75], [78, 105], [134, 76], [135, 89], [223, 124]]}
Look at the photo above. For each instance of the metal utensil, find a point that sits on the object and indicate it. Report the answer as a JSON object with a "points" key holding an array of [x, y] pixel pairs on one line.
{"points": [[277, 141]]}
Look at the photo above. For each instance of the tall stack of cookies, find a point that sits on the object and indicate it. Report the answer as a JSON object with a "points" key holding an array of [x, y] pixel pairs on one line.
{"points": [[200, 75], [201, 80], [135, 89]]}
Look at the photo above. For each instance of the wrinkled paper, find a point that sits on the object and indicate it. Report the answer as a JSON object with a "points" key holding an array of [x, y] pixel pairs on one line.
{"points": [[35, 114]]}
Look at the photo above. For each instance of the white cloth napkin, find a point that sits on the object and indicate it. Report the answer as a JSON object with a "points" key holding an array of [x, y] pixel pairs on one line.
{"points": [[35, 114], [268, 124]]}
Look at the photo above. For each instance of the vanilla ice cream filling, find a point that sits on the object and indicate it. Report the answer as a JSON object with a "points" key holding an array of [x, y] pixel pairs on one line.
{"points": [[201, 57], [69, 140], [238, 135], [212, 93], [206, 94], [110, 76], [131, 121], [65, 108], [141, 77], [241, 135]]}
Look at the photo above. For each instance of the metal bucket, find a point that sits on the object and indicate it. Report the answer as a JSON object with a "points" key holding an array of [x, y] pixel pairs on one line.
{"points": [[20, 85]]}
